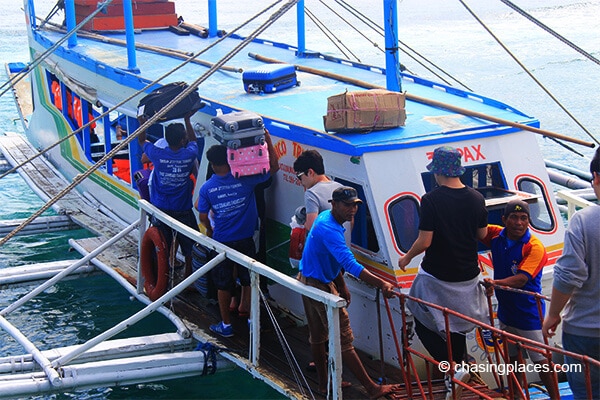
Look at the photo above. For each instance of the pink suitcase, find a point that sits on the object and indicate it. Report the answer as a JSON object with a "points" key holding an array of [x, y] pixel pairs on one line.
{"points": [[250, 160]]}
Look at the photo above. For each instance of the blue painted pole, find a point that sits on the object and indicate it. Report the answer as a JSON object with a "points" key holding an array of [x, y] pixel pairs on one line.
{"points": [[300, 27], [30, 14], [71, 22], [392, 59], [130, 37], [212, 18]]}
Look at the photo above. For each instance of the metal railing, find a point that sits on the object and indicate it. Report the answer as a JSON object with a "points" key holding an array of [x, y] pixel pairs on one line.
{"points": [[257, 270], [500, 355]]}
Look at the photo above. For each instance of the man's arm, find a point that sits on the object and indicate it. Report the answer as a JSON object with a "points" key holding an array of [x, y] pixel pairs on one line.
{"points": [[273, 159], [310, 220], [142, 135], [557, 303], [205, 221], [340, 283], [482, 233], [189, 130], [386, 288], [420, 245], [516, 281]]}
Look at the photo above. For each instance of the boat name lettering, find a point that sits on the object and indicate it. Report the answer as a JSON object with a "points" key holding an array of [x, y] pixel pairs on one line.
{"points": [[469, 153]]}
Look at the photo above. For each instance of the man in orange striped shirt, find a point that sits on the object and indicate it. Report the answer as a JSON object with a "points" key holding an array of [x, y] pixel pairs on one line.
{"points": [[518, 258]]}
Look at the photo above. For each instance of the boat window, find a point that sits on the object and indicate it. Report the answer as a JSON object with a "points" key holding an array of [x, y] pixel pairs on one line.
{"points": [[540, 213], [489, 180], [363, 231], [486, 178], [404, 217]]}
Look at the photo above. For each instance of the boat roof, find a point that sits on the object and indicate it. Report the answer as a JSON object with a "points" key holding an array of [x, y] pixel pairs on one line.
{"points": [[304, 105]]}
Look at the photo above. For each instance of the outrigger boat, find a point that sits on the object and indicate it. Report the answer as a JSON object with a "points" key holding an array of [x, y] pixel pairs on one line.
{"points": [[86, 78]]}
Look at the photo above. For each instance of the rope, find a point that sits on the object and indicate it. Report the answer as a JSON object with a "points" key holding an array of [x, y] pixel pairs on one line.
{"points": [[79, 178], [60, 5], [551, 31], [287, 350], [23, 73], [406, 49], [124, 101], [327, 32], [209, 352], [524, 68]]}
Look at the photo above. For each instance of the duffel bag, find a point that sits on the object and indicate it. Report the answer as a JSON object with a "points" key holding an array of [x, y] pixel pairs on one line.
{"points": [[158, 98]]}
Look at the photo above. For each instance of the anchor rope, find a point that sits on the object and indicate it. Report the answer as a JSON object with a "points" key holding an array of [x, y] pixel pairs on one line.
{"points": [[298, 375], [526, 70], [23, 73], [148, 86], [192, 87]]}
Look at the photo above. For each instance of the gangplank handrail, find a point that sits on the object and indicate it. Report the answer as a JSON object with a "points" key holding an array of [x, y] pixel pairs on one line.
{"points": [[332, 302], [497, 334]]}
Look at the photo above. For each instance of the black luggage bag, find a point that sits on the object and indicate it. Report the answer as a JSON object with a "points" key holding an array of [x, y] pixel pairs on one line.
{"points": [[158, 98]]}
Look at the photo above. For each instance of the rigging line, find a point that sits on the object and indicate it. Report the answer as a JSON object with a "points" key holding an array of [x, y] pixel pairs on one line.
{"points": [[551, 31], [540, 84], [60, 4], [327, 32], [23, 73], [566, 146], [192, 87], [378, 29], [122, 102], [287, 349], [375, 44], [430, 102]]}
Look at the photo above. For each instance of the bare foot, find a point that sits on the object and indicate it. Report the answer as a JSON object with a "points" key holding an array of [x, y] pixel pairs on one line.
{"points": [[382, 390]]}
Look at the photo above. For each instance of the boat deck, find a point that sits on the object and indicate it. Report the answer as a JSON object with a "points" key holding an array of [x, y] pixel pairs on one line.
{"points": [[302, 106]]}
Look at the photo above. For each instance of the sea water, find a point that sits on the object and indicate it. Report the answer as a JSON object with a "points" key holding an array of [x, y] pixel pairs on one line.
{"points": [[440, 30]]}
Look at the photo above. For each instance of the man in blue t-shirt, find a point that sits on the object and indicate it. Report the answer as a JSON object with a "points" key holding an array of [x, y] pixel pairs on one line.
{"points": [[518, 258], [172, 188], [324, 258], [233, 219]]}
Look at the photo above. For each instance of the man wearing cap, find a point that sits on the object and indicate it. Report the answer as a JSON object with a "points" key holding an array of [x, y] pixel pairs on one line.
{"points": [[518, 258], [453, 218], [325, 254], [576, 289]]}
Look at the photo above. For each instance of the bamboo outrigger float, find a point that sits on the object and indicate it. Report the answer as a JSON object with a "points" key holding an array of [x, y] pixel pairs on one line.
{"points": [[88, 85]]}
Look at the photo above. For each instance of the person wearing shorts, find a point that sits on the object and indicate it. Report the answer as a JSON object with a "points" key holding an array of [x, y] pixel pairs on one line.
{"points": [[518, 258], [233, 220], [324, 258]]}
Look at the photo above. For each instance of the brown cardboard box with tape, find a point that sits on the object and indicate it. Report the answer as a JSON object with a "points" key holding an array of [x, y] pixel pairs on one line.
{"points": [[365, 110]]}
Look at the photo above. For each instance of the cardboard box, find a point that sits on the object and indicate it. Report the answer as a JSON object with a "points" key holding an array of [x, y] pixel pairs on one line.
{"points": [[365, 110]]}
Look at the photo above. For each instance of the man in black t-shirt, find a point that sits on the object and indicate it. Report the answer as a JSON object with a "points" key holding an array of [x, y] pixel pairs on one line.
{"points": [[453, 218]]}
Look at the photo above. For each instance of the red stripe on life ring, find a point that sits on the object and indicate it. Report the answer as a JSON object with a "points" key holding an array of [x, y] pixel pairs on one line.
{"points": [[154, 260]]}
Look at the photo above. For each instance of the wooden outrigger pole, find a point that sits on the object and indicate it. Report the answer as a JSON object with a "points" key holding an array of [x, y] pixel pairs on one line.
{"points": [[430, 102]]}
